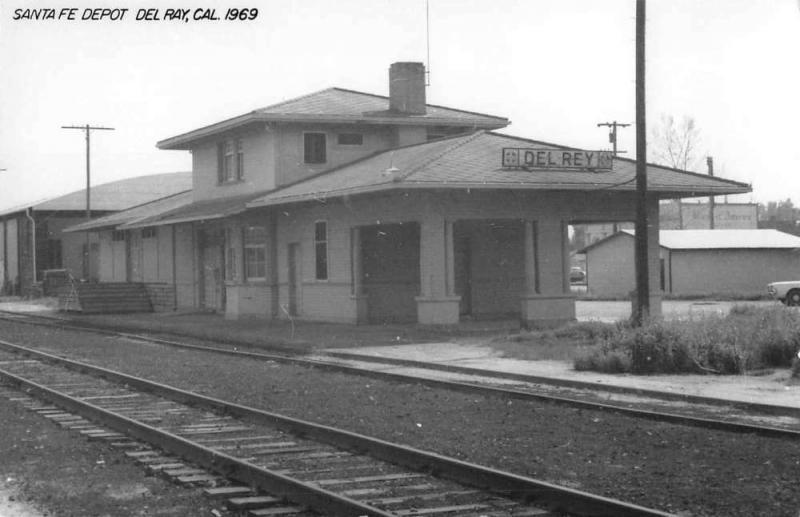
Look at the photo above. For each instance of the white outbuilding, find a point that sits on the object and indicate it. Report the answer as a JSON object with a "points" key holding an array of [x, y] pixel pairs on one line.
{"points": [[697, 262]]}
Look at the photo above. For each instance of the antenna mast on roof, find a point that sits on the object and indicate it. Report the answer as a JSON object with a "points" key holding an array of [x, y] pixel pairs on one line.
{"points": [[428, 43]]}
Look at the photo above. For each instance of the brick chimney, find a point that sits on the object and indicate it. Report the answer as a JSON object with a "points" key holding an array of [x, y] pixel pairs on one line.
{"points": [[407, 88]]}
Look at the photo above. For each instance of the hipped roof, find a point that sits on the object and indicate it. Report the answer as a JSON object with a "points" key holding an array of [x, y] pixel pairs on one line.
{"points": [[474, 161], [339, 105]]}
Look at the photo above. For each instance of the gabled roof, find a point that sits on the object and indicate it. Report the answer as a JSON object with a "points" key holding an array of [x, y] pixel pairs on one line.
{"points": [[714, 239], [474, 161], [338, 105], [116, 195], [135, 214]]}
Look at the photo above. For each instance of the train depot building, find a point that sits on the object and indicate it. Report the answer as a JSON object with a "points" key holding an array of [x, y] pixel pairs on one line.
{"points": [[349, 207]]}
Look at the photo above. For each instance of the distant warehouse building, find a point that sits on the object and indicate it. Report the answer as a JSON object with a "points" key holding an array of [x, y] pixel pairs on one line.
{"points": [[697, 262], [32, 240]]}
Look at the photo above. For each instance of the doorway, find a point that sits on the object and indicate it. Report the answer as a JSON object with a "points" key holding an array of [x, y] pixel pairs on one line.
{"points": [[212, 264], [294, 277], [462, 258]]}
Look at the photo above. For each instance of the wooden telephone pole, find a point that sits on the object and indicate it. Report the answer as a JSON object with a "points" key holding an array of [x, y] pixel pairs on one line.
{"points": [[87, 128], [642, 307]]}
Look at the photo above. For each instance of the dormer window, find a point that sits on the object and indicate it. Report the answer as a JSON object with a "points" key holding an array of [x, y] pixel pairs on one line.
{"points": [[230, 161], [314, 145]]}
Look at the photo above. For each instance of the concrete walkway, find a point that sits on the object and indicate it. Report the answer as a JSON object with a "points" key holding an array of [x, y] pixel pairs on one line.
{"points": [[468, 345], [775, 388]]}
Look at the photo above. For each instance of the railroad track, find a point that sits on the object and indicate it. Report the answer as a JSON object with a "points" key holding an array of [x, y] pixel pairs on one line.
{"points": [[704, 412], [270, 464]]}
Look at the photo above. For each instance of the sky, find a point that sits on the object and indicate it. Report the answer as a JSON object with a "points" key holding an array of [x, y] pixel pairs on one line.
{"points": [[555, 68]]}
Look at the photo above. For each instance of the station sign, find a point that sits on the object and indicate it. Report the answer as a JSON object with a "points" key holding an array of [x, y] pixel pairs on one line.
{"points": [[571, 159]]}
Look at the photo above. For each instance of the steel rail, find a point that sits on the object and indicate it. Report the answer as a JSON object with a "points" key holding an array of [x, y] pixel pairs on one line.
{"points": [[574, 502], [216, 461], [659, 416]]}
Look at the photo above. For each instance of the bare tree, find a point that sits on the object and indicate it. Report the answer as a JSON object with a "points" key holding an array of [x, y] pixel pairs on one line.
{"points": [[675, 144]]}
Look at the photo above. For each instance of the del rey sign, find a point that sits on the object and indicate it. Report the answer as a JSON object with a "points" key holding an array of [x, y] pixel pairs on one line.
{"points": [[573, 159]]}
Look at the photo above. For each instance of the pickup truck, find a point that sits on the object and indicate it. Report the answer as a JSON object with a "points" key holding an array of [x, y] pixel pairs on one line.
{"points": [[787, 292]]}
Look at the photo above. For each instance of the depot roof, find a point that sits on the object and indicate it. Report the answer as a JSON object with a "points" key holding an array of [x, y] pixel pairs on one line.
{"points": [[338, 105], [135, 214], [474, 161]]}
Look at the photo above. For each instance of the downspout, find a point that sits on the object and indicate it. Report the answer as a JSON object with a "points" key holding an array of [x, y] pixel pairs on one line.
{"points": [[33, 240]]}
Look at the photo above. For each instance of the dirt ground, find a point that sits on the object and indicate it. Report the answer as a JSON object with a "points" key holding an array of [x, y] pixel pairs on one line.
{"points": [[683, 470], [48, 471]]}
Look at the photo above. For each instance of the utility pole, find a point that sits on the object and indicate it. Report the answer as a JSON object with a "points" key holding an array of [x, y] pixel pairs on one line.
{"points": [[642, 308], [87, 129], [612, 136], [710, 163]]}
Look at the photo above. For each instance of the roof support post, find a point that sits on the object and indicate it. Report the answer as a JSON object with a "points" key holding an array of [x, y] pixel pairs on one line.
{"points": [[547, 301], [360, 300], [531, 260], [436, 305]]}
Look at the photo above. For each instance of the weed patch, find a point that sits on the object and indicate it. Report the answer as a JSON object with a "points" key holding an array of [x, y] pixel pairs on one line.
{"points": [[748, 338]]}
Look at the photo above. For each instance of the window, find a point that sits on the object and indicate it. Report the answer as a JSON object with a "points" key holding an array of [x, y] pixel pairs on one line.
{"points": [[118, 235], [255, 253], [221, 162], [314, 148], [239, 159], [321, 249], [350, 139], [230, 161], [149, 232]]}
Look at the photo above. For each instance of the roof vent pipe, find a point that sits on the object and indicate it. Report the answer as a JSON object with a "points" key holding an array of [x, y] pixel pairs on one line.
{"points": [[407, 88]]}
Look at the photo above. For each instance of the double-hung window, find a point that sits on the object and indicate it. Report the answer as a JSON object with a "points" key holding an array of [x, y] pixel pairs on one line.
{"points": [[239, 160], [255, 253], [321, 249], [230, 161], [314, 148]]}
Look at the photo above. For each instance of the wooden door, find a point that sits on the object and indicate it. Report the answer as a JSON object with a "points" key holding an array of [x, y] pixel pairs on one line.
{"points": [[462, 259], [294, 277]]}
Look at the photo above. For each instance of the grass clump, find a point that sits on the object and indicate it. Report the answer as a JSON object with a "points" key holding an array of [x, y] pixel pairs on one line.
{"points": [[748, 338]]}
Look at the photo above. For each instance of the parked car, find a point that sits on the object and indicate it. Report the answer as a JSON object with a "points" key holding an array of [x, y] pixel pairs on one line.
{"points": [[787, 292], [577, 275]]}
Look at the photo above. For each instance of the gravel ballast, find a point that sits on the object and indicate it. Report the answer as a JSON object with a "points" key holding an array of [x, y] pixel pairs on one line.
{"points": [[670, 467]]}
